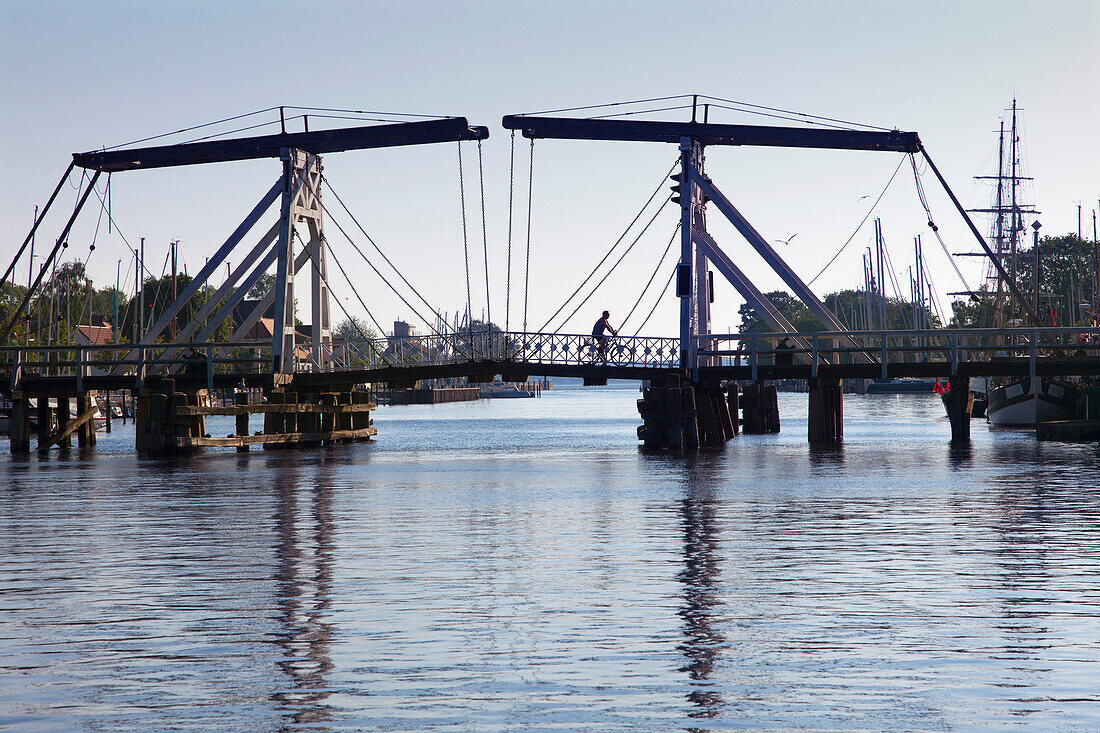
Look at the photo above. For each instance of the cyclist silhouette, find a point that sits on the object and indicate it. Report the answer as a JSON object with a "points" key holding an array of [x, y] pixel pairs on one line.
{"points": [[602, 338]]}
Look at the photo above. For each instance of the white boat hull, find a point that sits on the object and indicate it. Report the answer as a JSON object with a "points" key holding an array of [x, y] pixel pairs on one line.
{"points": [[1026, 402]]}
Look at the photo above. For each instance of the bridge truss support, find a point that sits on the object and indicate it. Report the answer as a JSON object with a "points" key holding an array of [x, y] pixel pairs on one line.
{"points": [[300, 191], [301, 202]]}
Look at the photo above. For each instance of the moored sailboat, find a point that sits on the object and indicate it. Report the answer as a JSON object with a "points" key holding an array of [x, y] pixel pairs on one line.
{"points": [[1027, 401], [1021, 401]]}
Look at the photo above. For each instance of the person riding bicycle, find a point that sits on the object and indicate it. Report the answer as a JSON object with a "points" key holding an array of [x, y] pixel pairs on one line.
{"points": [[602, 339]]}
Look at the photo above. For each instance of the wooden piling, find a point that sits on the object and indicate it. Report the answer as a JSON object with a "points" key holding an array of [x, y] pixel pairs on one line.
{"points": [[678, 416], [760, 409], [63, 416], [85, 433], [675, 442], [140, 404], [19, 426], [240, 399], [290, 419], [308, 423], [725, 420], [732, 402], [273, 421], [690, 417], [328, 419], [770, 407], [960, 403], [753, 418], [360, 420], [707, 427], [45, 415], [825, 417], [156, 424], [344, 419]]}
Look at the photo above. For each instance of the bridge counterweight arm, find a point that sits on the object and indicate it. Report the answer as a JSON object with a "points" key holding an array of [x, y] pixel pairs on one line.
{"points": [[712, 134], [269, 146]]}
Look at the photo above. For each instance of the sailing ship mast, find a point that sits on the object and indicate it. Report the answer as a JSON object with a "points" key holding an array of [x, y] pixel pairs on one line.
{"points": [[1007, 204]]}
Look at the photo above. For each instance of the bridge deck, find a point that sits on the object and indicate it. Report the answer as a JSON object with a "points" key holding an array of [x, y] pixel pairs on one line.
{"points": [[748, 357]]}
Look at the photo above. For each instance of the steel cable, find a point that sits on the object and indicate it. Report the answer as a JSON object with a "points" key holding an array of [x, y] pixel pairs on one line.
{"points": [[656, 303], [367, 339], [617, 263], [511, 191], [935, 229], [484, 235], [465, 242], [652, 276], [860, 225], [378, 272], [613, 246], [527, 264], [375, 245]]}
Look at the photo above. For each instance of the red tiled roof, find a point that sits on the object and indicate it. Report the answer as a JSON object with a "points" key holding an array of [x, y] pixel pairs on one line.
{"points": [[96, 335]]}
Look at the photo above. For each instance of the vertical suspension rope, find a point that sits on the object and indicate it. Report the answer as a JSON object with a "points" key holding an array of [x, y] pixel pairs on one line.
{"points": [[527, 263], [484, 235], [511, 189], [465, 242]]}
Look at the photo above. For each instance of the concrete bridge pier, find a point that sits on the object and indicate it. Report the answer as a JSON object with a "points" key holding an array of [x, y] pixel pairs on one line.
{"points": [[960, 403], [826, 413]]}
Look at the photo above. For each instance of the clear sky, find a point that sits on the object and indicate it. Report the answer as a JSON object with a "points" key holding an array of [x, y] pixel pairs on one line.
{"points": [[77, 76]]}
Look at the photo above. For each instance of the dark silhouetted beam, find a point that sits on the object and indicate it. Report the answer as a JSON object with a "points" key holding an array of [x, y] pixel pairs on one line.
{"points": [[711, 134], [269, 146]]}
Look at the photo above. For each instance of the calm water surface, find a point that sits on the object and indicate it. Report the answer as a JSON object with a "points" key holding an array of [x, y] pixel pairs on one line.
{"points": [[518, 564]]}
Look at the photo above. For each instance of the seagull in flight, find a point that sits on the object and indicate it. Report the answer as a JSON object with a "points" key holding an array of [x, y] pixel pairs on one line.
{"points": [[862, 197], [787, 241]]}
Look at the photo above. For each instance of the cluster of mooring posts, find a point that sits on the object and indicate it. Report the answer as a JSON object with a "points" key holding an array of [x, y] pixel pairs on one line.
{"points": [[171, 422], [170, 418], [679, 416], [698, 393], [53, 424]]}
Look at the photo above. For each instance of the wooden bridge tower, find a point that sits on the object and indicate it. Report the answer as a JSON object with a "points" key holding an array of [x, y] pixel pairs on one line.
{"points": [[170, 404]]}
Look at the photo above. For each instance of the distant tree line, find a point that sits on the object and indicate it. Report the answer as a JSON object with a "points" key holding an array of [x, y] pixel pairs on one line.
{"points": [[849, 306], [69, 298]]}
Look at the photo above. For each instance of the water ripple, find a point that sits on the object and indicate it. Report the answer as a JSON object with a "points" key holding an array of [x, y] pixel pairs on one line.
{"points": [[519, 565]]}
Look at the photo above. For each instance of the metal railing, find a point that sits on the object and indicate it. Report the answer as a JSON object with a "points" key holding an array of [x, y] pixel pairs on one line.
{"points": [[947, 346], [623, 351], [533, 348], [133, 362]]}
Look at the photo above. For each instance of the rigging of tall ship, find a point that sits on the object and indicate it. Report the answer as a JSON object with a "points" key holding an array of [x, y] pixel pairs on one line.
{"points": [[1018, 401]]}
